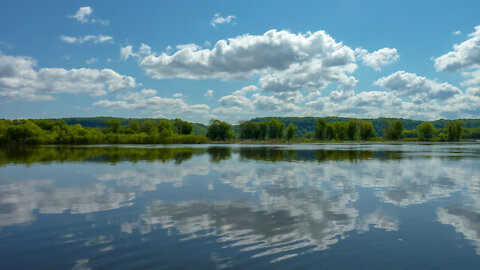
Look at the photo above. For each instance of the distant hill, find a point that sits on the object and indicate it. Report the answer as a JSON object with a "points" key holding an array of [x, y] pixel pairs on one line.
{"points": [[99, 122]]}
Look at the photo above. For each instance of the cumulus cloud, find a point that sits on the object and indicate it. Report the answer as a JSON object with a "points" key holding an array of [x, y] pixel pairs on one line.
{"points": [[474, 78], [218, 19], [19, 80], [379, 58], [239, 102], [294, 73], [473, 83], [349, 104], [286, 61], [311, 76], [407, 95], [147, 100], [87, 38], [84, 15], [127, 52], [417, 87], [458, 32], [464, 55]]}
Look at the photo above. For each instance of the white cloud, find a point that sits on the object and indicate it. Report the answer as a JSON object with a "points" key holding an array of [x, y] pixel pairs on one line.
{"points": [[148, 101], [284, 61], [295, 74], [349, 104], [91, 61], [239, 101], [236, 101], [417, 87], [87, 38], [84, 15], [177, 95], [407, 95], [464, 55], [208, 94], [313, 75], [475, 78], [19, 80], [127, 52], [272, 104], [379, 58], [245, 90], [218, 19], [243, 56], [458, 32]]}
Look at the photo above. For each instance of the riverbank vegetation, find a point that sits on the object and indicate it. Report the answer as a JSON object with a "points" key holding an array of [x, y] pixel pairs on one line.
{"points": [[270, 130]]}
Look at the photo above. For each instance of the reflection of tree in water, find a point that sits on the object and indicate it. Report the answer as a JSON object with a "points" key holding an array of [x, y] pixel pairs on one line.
{"points": [[274, 155], [342, 155], [30, 155], [218, 154], [262, 153]]}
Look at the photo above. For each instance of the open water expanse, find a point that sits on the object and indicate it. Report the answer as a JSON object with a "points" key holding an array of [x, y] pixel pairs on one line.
{"points": [[405, 206]]}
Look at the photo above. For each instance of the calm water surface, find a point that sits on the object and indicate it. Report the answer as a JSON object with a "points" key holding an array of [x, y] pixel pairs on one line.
{"points": [[248, 207]]}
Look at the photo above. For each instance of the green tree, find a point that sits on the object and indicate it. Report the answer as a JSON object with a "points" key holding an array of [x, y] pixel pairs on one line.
{"points": [[275, 129], [394, 130], [165, 128], [4, 125], [340, 130], [442, 137], [366, 130], [351, 129], [425, 131], [330, 132], [113, 126], [454, 130], [182, 127], [262, 130], [134, 125], [24, 132], [149, 127], [291, 131], [253, 130], [218, 130], [248, 130], [320, 129]]}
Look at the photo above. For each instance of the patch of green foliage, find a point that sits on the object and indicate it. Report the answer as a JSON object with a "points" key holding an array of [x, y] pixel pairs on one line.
{"points": [[32, 131]]}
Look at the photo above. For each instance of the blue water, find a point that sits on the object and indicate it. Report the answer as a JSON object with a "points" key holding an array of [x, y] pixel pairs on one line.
{"points": [[346, 206]]}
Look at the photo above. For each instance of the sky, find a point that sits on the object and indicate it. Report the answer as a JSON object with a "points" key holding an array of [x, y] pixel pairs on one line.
{"points": [[236, 60]]}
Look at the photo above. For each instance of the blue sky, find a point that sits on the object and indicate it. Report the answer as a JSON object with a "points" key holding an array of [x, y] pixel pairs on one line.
{"points": [[234, 60]]}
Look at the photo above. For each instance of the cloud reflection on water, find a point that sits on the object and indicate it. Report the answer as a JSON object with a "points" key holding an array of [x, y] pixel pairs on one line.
{"points": [[295, 201]]}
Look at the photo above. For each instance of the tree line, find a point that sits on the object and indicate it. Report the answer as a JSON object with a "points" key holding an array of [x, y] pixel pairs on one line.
{"points": [[44, 131], [164, 131]]}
